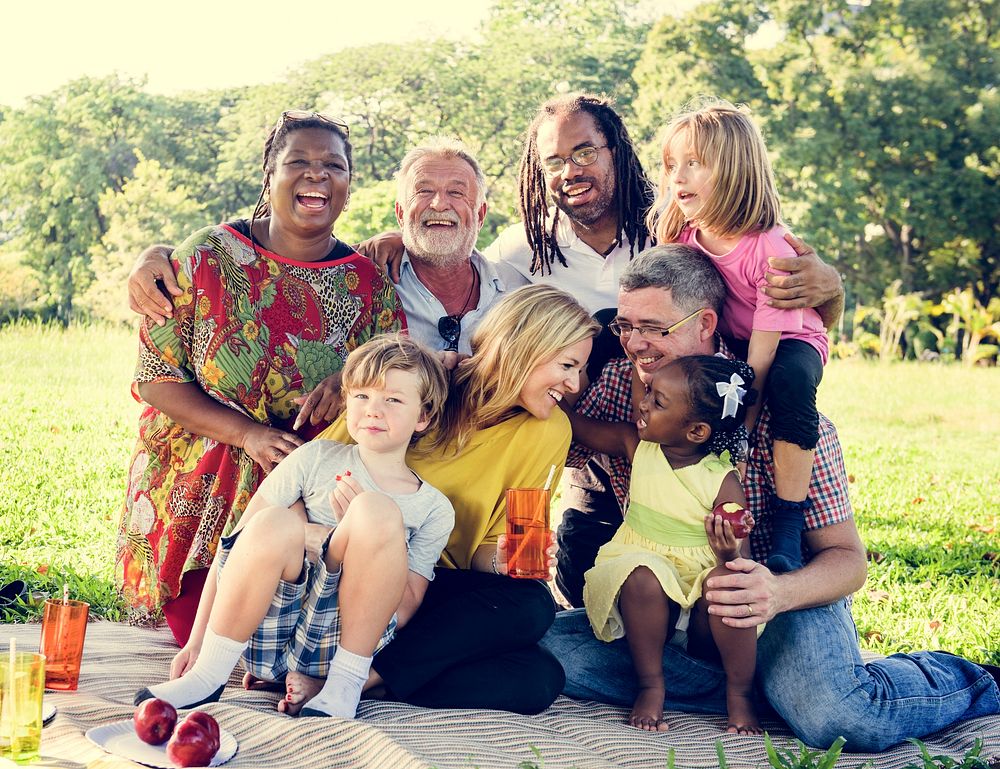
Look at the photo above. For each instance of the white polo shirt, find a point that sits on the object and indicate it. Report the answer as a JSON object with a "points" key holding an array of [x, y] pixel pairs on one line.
{"points": [[591, 278]]}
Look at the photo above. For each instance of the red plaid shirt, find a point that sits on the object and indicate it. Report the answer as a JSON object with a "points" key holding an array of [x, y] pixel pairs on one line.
{"points": [[610, 399]]}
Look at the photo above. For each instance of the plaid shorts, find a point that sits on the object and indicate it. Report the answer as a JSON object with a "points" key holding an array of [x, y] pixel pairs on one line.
{"points": [[301, 629]]}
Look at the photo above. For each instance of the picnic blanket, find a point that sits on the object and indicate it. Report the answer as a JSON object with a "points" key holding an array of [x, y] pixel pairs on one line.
{"points": [[119, 660]]}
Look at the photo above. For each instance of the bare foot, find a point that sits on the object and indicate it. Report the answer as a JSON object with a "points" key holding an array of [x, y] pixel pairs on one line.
{"points": [[647, 712], [742, 715], [250, 682], [299, 689]]}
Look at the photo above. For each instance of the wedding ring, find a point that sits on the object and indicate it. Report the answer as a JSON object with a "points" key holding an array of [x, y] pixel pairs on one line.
{"points": [[749, 610]]}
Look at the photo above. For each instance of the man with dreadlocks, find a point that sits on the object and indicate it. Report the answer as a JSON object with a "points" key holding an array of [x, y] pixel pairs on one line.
{"points": [[579, 154]]}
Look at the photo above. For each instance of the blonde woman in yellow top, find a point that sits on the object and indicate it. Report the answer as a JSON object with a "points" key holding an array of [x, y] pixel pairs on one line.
{"points": [[474, 641]]}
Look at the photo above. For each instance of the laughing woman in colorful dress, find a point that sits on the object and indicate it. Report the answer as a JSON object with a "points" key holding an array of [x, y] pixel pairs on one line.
{"points": [[269, 310]]}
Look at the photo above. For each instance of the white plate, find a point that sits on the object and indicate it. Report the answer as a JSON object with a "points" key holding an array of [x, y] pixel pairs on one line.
{"points": [[48, 712], [119, 739]]}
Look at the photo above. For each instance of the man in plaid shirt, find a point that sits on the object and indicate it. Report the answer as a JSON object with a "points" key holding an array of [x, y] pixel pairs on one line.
{"points": [[808, 660]]}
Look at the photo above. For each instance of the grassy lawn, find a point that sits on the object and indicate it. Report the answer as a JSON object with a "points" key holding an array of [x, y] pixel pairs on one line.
{"points": [[920, 442]]}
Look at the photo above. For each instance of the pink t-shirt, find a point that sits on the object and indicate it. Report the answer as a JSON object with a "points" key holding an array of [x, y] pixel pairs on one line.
{"points": [[746, 306]]}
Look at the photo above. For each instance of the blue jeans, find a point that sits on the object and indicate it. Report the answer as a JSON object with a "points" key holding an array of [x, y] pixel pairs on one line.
{"points": [[810, 669]]}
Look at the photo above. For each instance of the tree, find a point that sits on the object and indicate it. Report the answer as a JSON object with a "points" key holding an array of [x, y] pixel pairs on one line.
{"points": [[151, 207], [886, 108], [485, 94], [63, 151], [881, 119], [705, 52]]}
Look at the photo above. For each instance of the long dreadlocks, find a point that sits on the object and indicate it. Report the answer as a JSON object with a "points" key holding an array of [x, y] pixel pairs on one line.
{"points": [[633, 192]]}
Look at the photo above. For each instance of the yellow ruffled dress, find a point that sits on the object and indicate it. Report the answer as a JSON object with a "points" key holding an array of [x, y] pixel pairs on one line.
{"points": [[673, 545]]}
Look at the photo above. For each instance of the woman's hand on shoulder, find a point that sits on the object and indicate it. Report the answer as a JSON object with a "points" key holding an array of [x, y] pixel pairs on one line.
{"points": [[450, 359], [144, 295], [267, 446]]}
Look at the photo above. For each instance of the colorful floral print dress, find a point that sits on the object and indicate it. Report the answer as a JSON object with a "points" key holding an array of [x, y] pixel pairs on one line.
{"points": [[254, 331]]}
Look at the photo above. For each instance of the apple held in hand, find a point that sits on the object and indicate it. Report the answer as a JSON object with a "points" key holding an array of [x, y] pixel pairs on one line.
{"points": [[738, 516], [154, 721], [195, 740]]}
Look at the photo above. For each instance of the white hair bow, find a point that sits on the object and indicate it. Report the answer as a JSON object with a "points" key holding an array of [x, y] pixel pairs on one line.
{"points": [[731, 394]]}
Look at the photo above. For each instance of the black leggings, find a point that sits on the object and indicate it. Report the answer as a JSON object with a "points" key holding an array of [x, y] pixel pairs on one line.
{"points": [[474, 644], [790, 391]]}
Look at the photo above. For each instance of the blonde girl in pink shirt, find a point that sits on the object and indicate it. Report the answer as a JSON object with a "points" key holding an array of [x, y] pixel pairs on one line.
{"points": [[717, 193]]}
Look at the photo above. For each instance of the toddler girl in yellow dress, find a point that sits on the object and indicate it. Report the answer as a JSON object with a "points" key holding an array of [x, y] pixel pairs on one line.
{"points": [[650, 574]]}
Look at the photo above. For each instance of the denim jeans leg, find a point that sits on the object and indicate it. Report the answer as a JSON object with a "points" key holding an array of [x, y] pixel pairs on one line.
{"points": [[603, 672], [810, 665]]}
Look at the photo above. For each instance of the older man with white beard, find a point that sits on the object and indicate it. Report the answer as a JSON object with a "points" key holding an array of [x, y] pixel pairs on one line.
{"points": [[446, 286]]}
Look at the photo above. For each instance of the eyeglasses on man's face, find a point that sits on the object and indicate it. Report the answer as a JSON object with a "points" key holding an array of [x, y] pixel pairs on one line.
{"points": [[295, 115], [624, 329], [450, 329], [584, 156]]}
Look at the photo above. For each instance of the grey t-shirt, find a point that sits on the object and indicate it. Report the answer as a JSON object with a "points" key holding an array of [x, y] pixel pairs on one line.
{"points": [[309, 473]]}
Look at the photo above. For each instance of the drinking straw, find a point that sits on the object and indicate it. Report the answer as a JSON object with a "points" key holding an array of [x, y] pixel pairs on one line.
{"points": [[548, 481], [539, 515], [65, 594]]}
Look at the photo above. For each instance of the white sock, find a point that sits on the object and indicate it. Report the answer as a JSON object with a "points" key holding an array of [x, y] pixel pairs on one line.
{"points": [[341, 692], [211, 670]]}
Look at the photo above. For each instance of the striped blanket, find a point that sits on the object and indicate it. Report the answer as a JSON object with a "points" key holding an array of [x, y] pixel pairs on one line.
{"points": [[119, 659]]}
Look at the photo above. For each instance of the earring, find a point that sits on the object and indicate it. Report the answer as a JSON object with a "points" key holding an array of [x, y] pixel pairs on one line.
{"points": [[347, 202]]}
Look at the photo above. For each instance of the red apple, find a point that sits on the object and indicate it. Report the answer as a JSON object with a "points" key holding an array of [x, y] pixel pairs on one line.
{"points": [[203, 718], [192, 744], [154, 721], [738, 516]]}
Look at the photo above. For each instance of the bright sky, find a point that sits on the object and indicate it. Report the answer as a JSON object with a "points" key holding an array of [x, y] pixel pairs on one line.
{"points": [[200, 44]]}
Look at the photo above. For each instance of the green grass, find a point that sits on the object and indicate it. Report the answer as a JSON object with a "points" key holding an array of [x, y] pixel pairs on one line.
{"points": [[68, 424], [920, 444], [919, 439]]}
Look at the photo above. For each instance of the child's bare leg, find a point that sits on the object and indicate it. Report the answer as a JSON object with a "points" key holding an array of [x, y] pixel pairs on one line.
{"points": [[268, 550], [792, 472], [737, 648], [648, 615], [370, 544]]}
